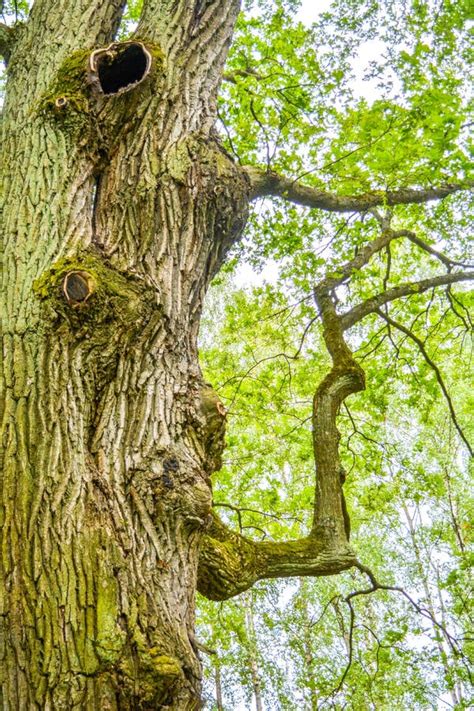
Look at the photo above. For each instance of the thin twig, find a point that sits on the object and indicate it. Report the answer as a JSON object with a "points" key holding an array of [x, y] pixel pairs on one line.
{"points": [[400, 327]]}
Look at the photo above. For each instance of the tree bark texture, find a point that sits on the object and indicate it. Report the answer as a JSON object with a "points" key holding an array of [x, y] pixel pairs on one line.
{"points": [[118, 205], [116, 212]]}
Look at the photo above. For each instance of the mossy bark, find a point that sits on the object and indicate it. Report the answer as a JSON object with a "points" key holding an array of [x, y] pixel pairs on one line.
{"points": [[106, 448], [116, 212]]}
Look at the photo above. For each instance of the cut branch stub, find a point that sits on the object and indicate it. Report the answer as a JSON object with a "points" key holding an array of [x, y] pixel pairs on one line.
{"points": [[77, 288], [119, 67], [61, 102]]}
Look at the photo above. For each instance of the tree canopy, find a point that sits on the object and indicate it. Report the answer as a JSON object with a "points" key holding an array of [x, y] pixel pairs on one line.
{"points": [[353, 133], [370, 97]]}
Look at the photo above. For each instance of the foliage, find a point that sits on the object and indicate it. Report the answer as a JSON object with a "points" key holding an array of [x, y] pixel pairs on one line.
{"points": [[292, 101], [303, 100]]}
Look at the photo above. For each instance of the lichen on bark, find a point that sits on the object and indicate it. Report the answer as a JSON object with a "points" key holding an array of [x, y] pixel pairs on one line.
{"points": [[118, 210], [110, 238]]}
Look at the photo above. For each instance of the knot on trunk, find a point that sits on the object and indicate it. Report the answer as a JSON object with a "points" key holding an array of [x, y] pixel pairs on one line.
{"points": [[90, 298], [213, 422]]}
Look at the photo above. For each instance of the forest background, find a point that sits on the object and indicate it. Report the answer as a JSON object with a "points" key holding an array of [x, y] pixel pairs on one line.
{"points": [[357, 96]]}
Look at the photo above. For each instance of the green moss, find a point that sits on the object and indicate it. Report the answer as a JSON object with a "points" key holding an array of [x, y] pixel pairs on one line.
{"points": [[149, 675], [158, 58], [120, 303], [165, 666], [70, 86], [110, 637], [179, 161], [73, 71]]}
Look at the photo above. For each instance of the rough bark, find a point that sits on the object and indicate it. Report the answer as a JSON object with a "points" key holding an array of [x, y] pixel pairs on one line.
{"points": [[116, 212], [6, 41], [118, 205], [230, 563]]}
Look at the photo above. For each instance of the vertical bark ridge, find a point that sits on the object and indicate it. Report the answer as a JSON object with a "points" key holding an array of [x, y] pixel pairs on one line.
{"points": [[53, 32], [169, 227], [47, 175], [195, 45], [105, 445]]}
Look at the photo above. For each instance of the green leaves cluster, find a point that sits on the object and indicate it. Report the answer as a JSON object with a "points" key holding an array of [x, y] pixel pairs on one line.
{"points": [[300, 101], [292, 102]]}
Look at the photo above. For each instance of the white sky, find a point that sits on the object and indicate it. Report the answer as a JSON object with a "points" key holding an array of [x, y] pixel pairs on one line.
{"points": [[308, 13], [310, 9]]}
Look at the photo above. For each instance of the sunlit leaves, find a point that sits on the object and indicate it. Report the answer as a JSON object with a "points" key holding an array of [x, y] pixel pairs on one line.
{"points": [[407, 483]]}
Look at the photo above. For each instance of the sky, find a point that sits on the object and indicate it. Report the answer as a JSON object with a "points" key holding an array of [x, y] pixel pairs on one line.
{"points": [[310, 9], [308, 13]]}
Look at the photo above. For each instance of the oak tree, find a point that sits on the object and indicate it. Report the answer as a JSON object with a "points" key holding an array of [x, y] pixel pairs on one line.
{"points": [[120, 203]]}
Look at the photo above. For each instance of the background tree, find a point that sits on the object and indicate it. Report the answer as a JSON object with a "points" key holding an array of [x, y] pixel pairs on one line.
{"points": [[120, 204]]}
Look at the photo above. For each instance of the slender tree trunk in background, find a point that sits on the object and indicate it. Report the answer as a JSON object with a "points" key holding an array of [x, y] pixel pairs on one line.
{"points": [[218, 683], [252, 651], [308, 649], [437, 633], [116, 212], [453, 507]]}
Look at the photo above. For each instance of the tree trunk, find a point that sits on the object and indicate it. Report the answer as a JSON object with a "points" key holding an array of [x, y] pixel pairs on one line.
{"points": [[439, 635], [118, 206], [252, 651], [116, 212], [218, 684]]}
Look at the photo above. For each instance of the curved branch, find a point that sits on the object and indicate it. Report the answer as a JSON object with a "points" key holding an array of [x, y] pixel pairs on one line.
{"points": [[231, 77], [436, 370], [267, 183], [418, 287], [375, 585], [230, 563], [331, 521]]}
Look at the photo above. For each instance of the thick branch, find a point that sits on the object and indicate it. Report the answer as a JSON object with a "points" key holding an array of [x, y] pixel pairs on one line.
{"points": [[230, 564], [267, 183], [418, 287], [331, 521], [231, 77]]}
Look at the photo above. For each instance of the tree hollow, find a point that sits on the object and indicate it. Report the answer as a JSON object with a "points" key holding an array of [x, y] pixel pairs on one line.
{"points": [[120, 66], [77, 287]]}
